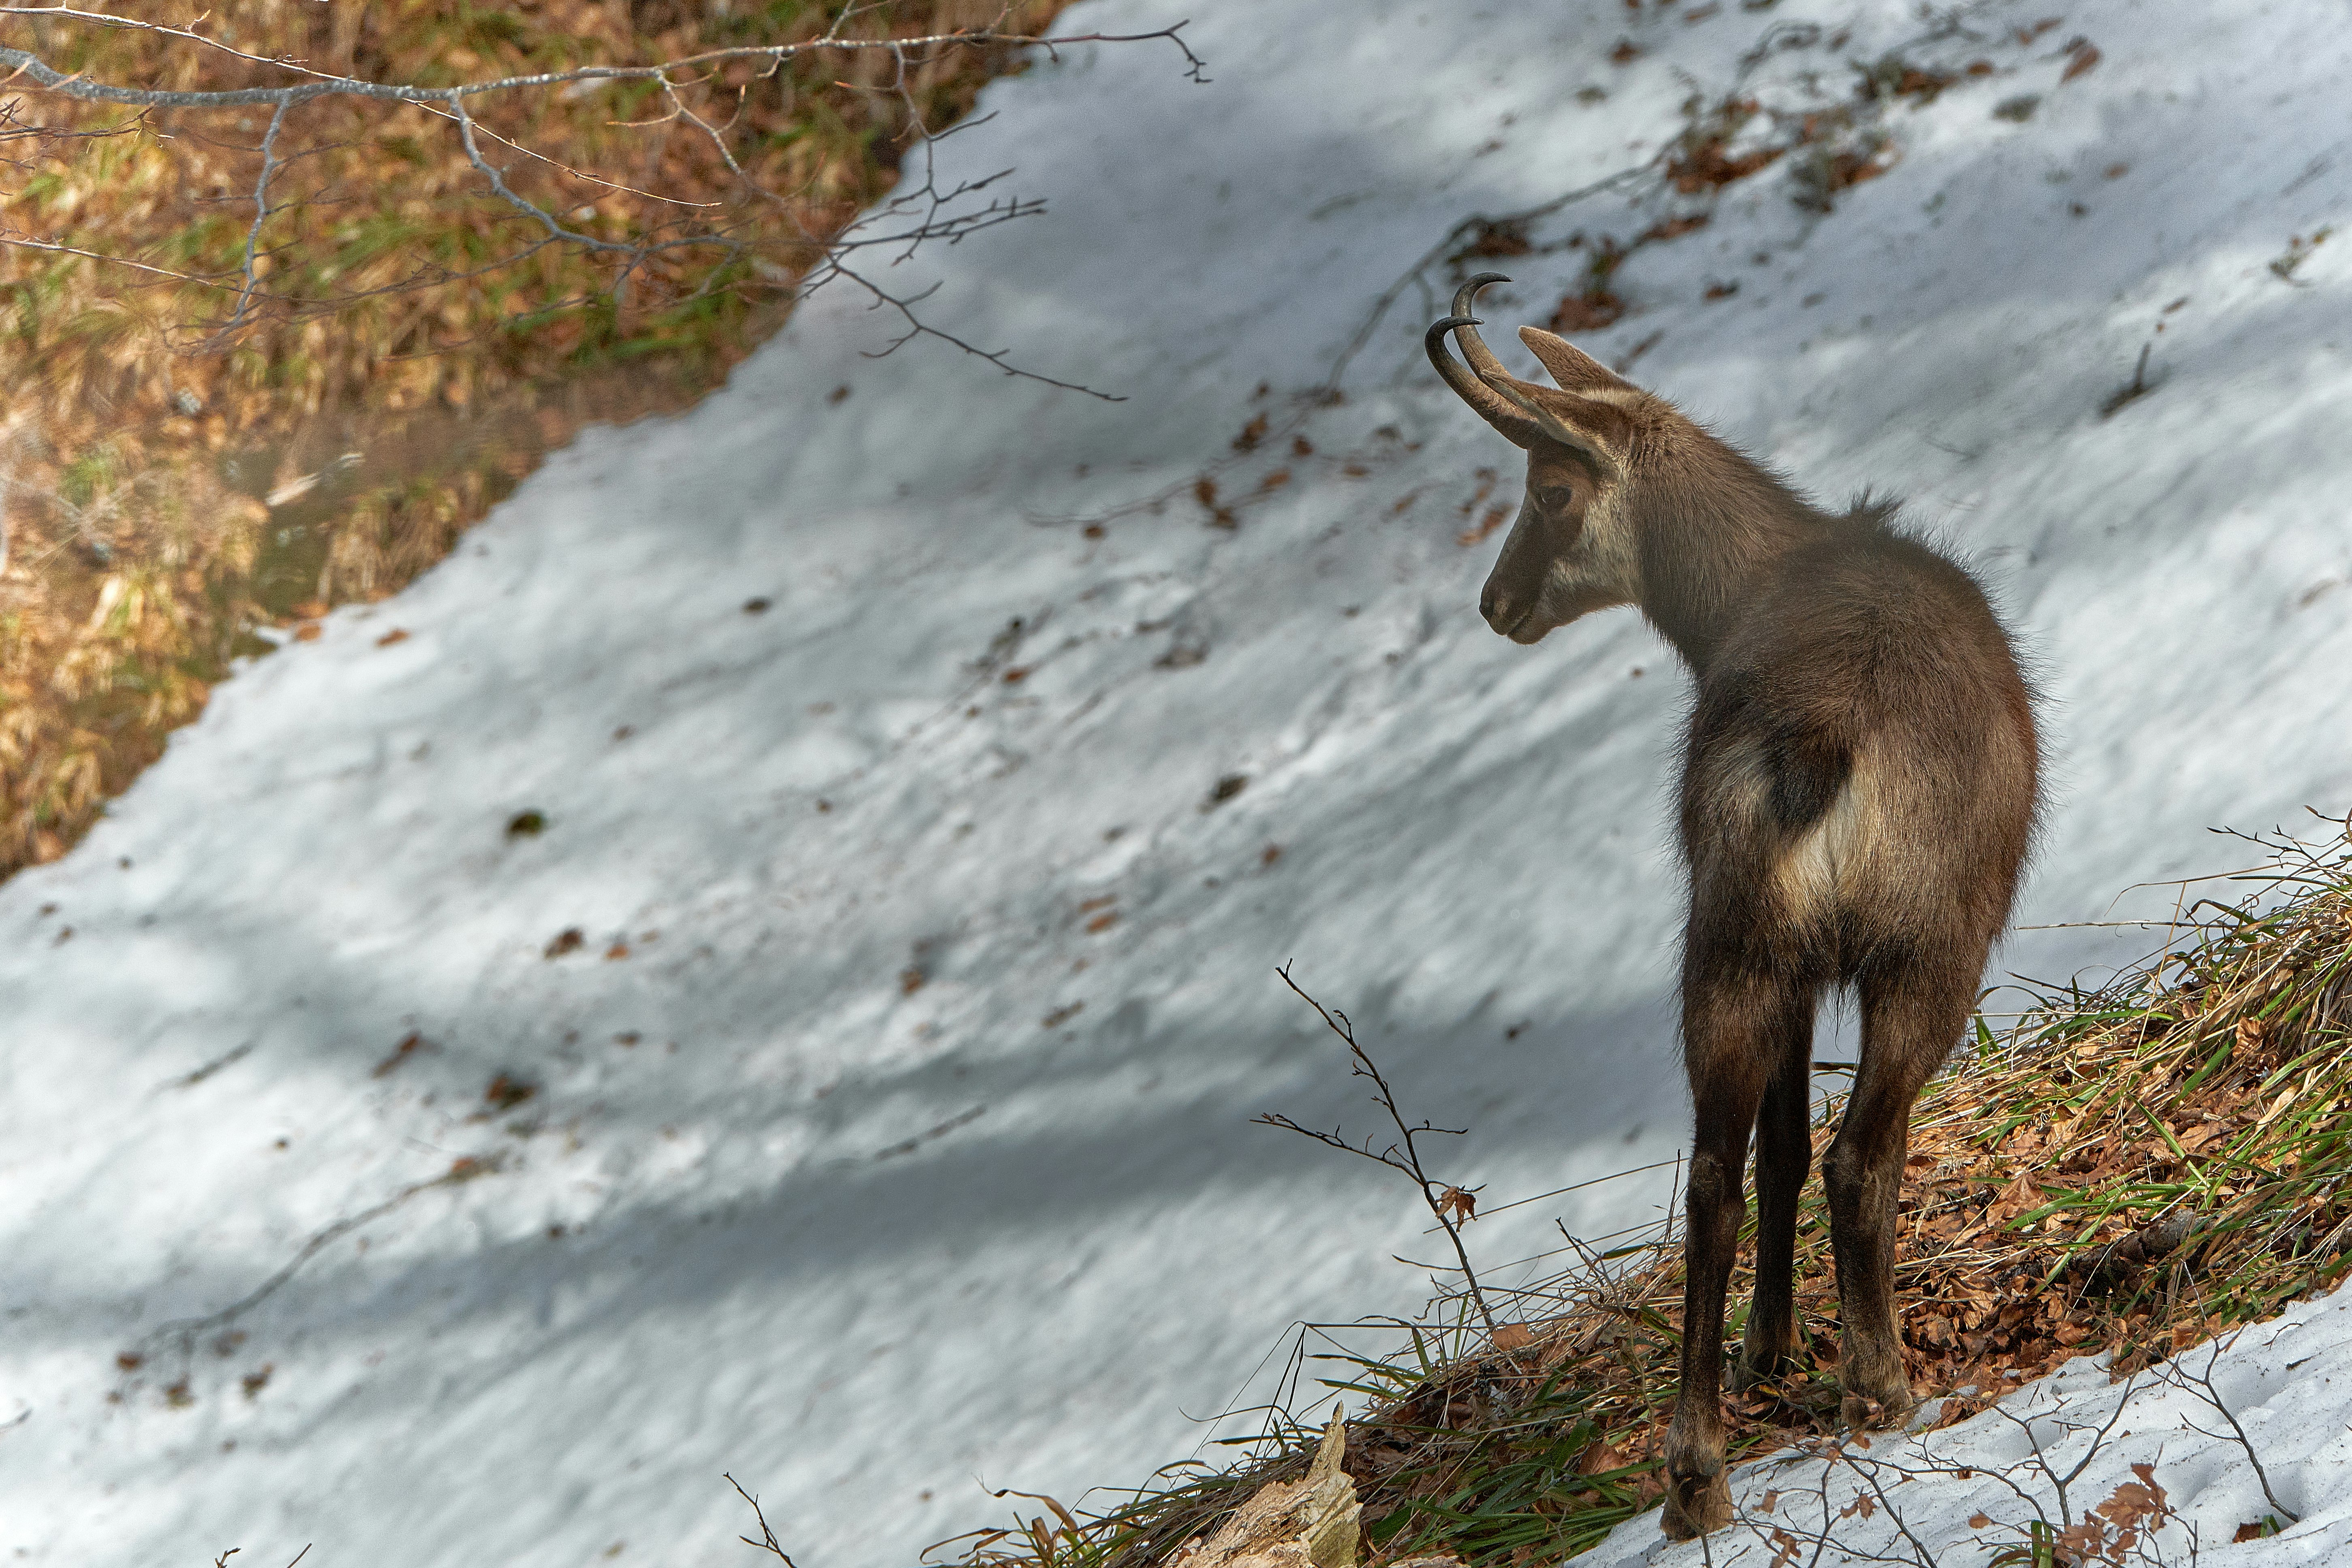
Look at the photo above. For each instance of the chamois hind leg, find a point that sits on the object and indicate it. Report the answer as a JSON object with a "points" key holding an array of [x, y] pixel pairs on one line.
{"points": [[1731, 1025], [1912, 1011], [1784, 1154]]}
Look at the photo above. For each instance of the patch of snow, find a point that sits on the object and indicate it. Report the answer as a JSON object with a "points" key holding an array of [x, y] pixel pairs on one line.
{"points": [[1970, 1493]]}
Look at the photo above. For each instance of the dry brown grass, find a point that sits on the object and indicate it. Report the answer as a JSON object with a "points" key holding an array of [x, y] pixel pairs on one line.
{"points": [[167, 489]]}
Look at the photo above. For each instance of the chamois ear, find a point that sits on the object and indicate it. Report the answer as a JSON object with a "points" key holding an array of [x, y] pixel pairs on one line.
{"points": [[1570, 365]]}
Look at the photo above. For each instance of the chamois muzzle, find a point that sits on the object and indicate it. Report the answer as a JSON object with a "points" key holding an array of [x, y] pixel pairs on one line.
{"points": [[1506, 613]]}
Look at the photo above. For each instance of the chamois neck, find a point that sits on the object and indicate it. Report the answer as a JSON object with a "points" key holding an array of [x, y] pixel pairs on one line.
{"points": [[1711, 542]]}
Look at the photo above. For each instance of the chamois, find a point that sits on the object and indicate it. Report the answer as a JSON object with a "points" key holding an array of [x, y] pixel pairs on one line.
{"points": [[1858, 792]]}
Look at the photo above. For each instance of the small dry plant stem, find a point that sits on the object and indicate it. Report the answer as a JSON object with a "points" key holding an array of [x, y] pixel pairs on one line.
{"points": [[767, 1542], [1404, 1155], [2059, 1483], [222, 1561]]}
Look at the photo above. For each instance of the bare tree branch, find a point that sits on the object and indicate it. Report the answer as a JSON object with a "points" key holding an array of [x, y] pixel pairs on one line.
{"points": [[322, 84], [905, 222], [260, 215]]}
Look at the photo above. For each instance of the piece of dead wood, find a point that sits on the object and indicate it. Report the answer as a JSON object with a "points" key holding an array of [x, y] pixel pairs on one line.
{"points": [[1309, 1523], [2106, 1267]]}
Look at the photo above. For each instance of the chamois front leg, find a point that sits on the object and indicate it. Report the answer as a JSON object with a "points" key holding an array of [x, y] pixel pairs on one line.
{"points": [[1725, 1031]]}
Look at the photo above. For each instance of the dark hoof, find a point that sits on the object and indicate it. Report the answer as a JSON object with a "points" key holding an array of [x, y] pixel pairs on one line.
{"points": [[1865, 1414], [1696, 1505], [1745, 1374]]}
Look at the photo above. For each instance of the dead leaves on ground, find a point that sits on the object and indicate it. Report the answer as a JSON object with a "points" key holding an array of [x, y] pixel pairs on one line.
{"points": [[167, 497]]}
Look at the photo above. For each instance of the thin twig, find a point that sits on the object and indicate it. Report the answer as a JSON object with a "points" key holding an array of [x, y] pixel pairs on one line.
{"points": [[1405, 1155], [767, 1542]]}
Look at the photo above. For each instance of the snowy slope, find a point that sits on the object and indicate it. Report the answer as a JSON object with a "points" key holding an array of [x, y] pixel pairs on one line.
{"points": [[768, 1210]]}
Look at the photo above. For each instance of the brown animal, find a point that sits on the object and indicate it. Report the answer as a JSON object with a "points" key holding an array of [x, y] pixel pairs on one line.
{"points": [[1858, 791]]}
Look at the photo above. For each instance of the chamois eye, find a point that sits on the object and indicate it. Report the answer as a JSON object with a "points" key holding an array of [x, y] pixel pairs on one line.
{"points": [[1556, 497]]}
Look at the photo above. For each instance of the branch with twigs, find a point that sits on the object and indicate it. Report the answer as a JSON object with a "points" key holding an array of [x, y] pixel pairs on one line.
{"points": [[2178, 1373], [1448, 1203], [927, 214]]}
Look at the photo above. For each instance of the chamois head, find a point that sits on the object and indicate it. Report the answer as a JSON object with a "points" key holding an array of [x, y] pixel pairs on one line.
{"points": [[1574, 548]]}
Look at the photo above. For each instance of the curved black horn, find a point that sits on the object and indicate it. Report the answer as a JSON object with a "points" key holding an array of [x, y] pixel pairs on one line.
{"points": [[1515, 427], [1473, 348]]}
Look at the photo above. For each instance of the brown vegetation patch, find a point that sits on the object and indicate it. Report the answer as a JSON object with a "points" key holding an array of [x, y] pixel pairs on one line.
{"points": [[168, 486], [1700, 161], [1596, 304], [1508, 238], [1893, 77], [1836, 158], [1586, 312], [1707, 167]]}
